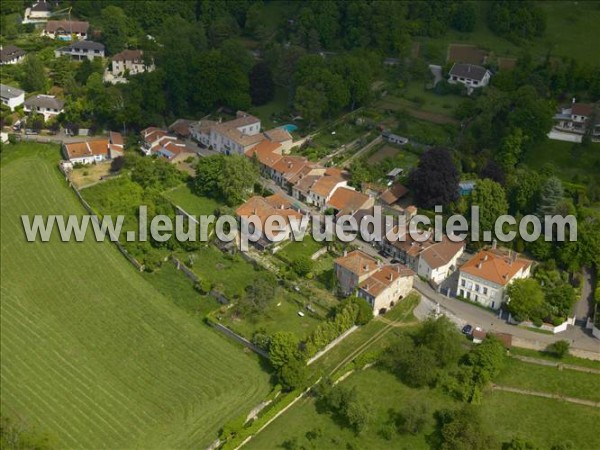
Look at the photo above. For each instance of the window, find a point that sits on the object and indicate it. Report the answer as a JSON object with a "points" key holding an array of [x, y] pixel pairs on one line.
{"points": [[493, 305], [476, 288], [485, 291]]}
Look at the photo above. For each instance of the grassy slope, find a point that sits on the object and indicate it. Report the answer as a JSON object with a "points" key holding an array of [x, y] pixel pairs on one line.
{"points": [[91, 353], [541, 378], [183, 197], [570, 32]]}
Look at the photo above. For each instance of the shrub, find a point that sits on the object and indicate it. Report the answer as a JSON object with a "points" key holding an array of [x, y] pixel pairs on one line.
{"points": [[560, 349]]}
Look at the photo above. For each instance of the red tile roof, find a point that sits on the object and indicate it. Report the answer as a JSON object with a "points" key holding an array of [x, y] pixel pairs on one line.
{"points": [[347, 200], [384, 278], [497, 266], [357, 262]]}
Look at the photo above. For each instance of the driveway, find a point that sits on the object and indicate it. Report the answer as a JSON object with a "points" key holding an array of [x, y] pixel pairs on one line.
{"points": [[585, 306]]}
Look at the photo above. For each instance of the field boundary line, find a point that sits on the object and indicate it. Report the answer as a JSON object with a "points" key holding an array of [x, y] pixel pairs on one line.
{"points": [[579, 401]]}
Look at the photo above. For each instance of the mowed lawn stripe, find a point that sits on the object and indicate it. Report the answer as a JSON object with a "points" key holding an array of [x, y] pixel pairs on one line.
{"points": [[79, 389], [94, 355]]}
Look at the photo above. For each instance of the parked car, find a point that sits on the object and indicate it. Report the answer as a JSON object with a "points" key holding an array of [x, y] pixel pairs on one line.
{"points": [[467, 329]]}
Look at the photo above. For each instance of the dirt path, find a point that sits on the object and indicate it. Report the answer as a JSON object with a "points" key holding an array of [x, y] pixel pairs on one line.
{"points": [[579, 401]]}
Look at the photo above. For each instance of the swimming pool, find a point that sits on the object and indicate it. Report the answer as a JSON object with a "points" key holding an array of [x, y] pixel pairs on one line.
{"points": [[290, 127]]}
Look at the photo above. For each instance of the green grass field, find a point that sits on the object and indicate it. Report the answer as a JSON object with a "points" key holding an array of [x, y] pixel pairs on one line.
{"points": [[571, 162], [568, 25], [543, 421], [300, 249], [183, 197], [547, 379], [92, 354], [276, 318], [228, 274]]}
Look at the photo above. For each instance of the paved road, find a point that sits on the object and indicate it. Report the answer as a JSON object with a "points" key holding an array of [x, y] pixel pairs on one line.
{"points": [[584, 307], [462, 313]]}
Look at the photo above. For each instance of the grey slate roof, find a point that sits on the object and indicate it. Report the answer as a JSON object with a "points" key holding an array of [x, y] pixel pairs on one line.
{"points": [[10, 52], [470, 71], [44, 101], [83, 45], [9, 91]]}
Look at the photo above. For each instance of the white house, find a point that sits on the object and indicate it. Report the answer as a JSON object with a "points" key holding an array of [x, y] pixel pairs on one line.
{"points": [[47, 105], [577, 119], [431, 259], [94, 150], [438, 261], [322, 190], [485, 277], [11, 54], [66, 30], [11, 96], [470, 75], [80, 50], [39, 12], [238, 135], [128, 62]]}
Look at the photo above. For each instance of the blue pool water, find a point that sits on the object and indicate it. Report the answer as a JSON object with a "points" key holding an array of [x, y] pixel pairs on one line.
{"points": [[289, 127]]}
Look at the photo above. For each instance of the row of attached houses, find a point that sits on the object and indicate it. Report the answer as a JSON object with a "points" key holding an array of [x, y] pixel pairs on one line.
{"points": [[430, 259], [260, 209], [382, 286], [94, 150]]}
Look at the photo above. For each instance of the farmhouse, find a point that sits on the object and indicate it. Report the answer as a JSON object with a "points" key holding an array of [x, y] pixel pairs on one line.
{"points": [[127, 62], [380, 285], [181, 128], [263, 208], [66, 30], [386, 286], [11, 96], [470, 75], [11, 54], [354, 268], [578, 118], [484, 277], [47, 105], [389, 198], [81, 50]]}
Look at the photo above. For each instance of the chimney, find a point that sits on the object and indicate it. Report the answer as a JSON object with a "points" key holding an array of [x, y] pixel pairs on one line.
{"points": [[366, 267], [390, 277], [479, 265], [485, 258], [494, 244]]}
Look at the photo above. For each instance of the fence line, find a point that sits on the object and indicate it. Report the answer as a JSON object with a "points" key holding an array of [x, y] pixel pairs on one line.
{"points": [[92, 213], [242, 340]]}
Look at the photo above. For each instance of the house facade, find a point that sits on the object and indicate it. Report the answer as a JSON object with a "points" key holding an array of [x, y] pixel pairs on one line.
{"points": [[470, 75], [47, 105], [127, 62], [579, 118], [386, 286], [354, 268], [11, 54], [485, 277], [80, 50], [66, 30], [257, 211], [11, 96]]}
